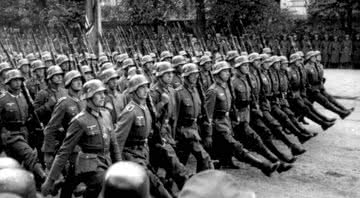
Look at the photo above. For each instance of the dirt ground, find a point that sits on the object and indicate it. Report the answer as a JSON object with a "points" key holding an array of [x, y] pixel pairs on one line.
{"points": [[331, 166]]}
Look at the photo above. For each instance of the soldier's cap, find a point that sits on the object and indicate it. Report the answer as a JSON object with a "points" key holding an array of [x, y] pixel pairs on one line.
{"points": [[195, 60], [136, 81], [178, 60], [86, 69], [30, 57], [220, 66], [23, 62], [17, 181], [301, 54], [70, 76], [165, 54], [163, 67], [189, 68], [47, 57], [268, 60], [106, 66], [231, 55], [310, 54], [208, 53], [275, 59], [254, 56], [102, 60], [13, 74], [204, 59], [131, 72], [108, 74], [214, 184], [317, 52], [5, 66], [127, 63], [294, 57], [218, 57], [263, 57], [121, 57], [152, 54], [146, 59], [183, 53], [241, 60], [91, 87], [266, 50], [127, 179], [38, 64], [284, 60], [244, 53]]}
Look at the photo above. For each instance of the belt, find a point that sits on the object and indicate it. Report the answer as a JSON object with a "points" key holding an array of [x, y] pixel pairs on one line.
{"points": [[95, 151], [138, 142]]}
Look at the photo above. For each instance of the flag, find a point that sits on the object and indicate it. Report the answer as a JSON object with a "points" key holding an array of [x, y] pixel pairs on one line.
{"points": [[93, 24]]}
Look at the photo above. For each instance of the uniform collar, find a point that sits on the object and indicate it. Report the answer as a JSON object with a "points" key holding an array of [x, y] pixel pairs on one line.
{"points": [[93, 110]]}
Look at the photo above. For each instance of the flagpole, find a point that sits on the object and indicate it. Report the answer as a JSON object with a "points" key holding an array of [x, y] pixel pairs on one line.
{"points": [[98, 27]]}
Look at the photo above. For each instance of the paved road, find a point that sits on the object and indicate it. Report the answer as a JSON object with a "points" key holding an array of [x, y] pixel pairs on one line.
{"points": [[331, 166]]}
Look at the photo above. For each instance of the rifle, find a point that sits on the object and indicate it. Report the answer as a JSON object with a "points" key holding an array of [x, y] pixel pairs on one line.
{"points": [[26, 93], [37, 46], [73, 51], [20, 46], [51, 45]]}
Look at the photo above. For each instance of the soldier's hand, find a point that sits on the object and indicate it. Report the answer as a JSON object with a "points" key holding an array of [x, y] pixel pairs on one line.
{"points": [[165, 98], [47, 187], [48, 158]]}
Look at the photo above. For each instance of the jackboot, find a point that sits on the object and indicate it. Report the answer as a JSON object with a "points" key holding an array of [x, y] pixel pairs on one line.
{"points": [[266, 167], [284, 167], [264, 151], [282, 156], [295, 149], [324, 124], [322, 116], [292, 127]]}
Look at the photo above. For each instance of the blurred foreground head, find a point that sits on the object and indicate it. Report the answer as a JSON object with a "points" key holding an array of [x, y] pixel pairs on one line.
{"points": [[214, 184], [17, 181], [127, 179]]}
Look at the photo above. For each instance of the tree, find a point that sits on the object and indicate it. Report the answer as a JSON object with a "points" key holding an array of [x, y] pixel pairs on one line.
{"points": [[335, 10]]}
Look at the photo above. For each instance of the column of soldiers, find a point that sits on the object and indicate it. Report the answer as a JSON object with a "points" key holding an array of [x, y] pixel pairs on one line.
{"points": [[157, 110]]}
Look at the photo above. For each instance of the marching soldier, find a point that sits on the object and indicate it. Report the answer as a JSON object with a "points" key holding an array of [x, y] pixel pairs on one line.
{"points": [[206, 77], [177, 63], [88, 73], [133, 129], [24, 67], [4, 67], [188, 112], [218, 103], [301, 106], [92, 130], [46, 99], [63, 62], [316, 91], [123, 81], [37, 82], [115, 101], [14, 118], [147, 63], [162, 142], [66, 108]]}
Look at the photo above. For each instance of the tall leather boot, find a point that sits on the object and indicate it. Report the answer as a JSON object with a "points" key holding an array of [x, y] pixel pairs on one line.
{"points": [[322, 116], [342, 113], [264, 151], [292, 127], [266, 167], [301, 128], [282, 156], [295, 149], [324, 124]]}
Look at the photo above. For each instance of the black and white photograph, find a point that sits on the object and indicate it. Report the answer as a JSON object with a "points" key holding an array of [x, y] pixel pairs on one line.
{"points": [[179, 98]]}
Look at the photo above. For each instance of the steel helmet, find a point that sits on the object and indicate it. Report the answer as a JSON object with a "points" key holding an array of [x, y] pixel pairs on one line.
{"points": [[37, 64], [114, 54], [146, 59], [163, 67], [17, 181], [13, 74], [232, 54], [71, 75], [208, 53], [301, 54], [121, 57], [30, 57], [136, 81], [4, 66], [91, 87], [183, 53], [93, 57], [108, 74], [128, 62], [195, 60], [102, 60], [283, 60], [53, 70], [204, 59], [274, 59], [241, 60], [165, 54], [310, 54], [219, 66], [244, 54], [86, 69], [62, 59], [189, 68], [8, 162], [107, 65], [126, 178], [263, 57], [23, 62], [266, 50], [47, 57], [178, 60], [294, 57], [254, 56]]}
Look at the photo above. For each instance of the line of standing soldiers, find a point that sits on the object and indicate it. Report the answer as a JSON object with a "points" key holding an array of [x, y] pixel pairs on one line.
{"points": [[157, 114]]}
